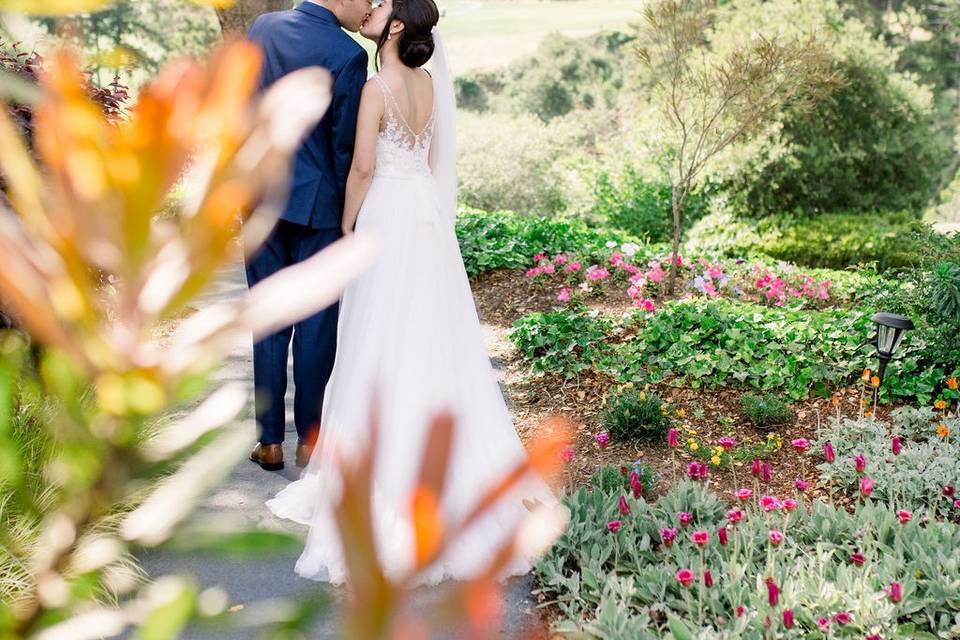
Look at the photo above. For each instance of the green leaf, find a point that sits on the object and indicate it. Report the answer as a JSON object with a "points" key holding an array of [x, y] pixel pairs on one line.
{"points": [[679, 628], [237, 544], [174, 602]]}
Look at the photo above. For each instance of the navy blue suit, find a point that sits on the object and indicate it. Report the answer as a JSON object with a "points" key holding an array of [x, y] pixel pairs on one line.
{"points": [[307, 36]]}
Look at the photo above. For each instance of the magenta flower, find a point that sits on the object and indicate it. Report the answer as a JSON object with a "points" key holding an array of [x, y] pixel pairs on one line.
{"points": [[700, 538], [800, 444], [843, 618], [560, 258], [788, 618], [896, 445], [535, 271], [734, 516], [707, 579], [790, 504], [673, 439], [776, 537], [597, 273], [866, 486], [548, 268], [860, 462], [744, 494], [755, 468], [956, 503], [668, 535], [904, 516], [540, 256], [564, 295], [722, 536], [895, 592], [614, 525], [727, 443], [824, 624], [873, 636], [624, 507], [740, 610], [765, 472], [828, 453], [616, 259], [572, 267], [685, 518], [857, 559], [568, 453], [635, 485], [697, 470], [948, 490], [685, 577], [646, 304], [773, 592], [603, 439], [801, 485], [770, 503]]}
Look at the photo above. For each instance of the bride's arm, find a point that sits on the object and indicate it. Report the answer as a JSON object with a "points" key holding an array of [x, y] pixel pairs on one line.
{"points": [[364, 154]]}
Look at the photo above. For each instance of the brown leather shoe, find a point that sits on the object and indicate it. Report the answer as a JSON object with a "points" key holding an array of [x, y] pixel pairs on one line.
{"points": [[304, 451], [268, 456]]}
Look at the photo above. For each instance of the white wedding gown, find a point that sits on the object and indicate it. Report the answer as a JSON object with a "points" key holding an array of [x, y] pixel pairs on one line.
{"points": [[409, 331]]}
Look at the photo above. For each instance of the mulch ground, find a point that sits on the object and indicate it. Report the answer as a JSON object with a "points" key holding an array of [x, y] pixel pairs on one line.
{"points": [[503, 296]]}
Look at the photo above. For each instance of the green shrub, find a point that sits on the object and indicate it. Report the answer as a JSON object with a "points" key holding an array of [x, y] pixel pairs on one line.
{"points": [[636, 414], [641, 207], [623, 584], [611, 479], [835, 240], [765, 411], [562, 341]]}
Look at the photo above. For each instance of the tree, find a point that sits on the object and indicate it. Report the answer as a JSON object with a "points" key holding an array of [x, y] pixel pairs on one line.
{"points": [[714, 98], [238, 17]]}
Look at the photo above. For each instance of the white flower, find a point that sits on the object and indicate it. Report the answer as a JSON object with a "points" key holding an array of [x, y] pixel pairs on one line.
{"points": [[630, 249], [611, 244]]}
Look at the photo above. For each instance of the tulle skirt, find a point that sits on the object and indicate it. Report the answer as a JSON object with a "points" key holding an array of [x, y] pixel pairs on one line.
{"points": [[409, 335]]}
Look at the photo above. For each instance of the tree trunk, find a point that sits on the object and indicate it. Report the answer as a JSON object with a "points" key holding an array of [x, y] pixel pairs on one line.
{"points": [[676, 200], [237, 18]]}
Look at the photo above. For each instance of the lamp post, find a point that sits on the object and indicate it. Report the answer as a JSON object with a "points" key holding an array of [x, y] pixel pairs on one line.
{"points": [[890, 329]]}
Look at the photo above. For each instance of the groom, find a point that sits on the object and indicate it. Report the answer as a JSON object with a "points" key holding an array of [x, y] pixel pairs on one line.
{"points": [[310, 35]]}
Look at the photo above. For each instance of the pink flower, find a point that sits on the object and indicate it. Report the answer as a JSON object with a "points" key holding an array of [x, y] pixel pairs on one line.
{"points": [[770, 503], [646, 304], [572, 267], [744, 494], [697, 470], [685, 518], [866, 486], [896, 445], [734, 516], [685, 577], [801, 485], [895, 592], [773, 592], [873, 636], [800, 444], [948, 490], [722, 536], [956, 503], [603, 439], [535, 271], [567, 454], [596, 273], [904, 516], [624, 507], [823, 623], [540, 256], [790, 504], [668, 535], [616, 259], [548, 268], [560, 259], [857, 559], [765, 472], [788, 618], [614, 525], [564, 295], [727, 443], [740, 610], [656, 273], [843, 618], [755, 468], [673, 439], [860, 462], [635, 485], [828, 453], [776, 537], [700, 538], [707, 579]]}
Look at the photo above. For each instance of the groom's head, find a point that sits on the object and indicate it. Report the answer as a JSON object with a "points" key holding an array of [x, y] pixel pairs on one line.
{"points": [[350, 13]]}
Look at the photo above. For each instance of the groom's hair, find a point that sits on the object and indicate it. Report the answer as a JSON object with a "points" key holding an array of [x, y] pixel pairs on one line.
{"points": [[419, 17]]}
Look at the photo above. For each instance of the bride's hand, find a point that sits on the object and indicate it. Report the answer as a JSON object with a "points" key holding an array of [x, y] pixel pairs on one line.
{"points": [[346, 230]]}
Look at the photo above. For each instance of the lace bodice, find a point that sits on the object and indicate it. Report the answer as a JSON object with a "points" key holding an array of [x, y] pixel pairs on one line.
{"points": [[401, 151]]}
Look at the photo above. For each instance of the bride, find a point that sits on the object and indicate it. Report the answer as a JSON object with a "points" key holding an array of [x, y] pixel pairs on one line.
{"points": [[408, 328]]}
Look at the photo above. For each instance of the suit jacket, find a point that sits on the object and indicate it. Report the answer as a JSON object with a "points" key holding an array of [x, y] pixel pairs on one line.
{"points": [[307, 36]]}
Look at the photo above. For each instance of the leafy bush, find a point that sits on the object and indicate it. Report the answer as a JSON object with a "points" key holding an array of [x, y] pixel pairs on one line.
{"points": [[624, 583], [641, 207], [611, 479], [872, 144], [765, 411], [636, 414], [562, 341], [834, 240]]}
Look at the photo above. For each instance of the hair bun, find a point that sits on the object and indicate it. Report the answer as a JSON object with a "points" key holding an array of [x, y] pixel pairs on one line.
{"points": [[415, 50]]}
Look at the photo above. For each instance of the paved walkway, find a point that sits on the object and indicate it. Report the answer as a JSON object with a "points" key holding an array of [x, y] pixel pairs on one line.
{"points": [[242, 498]]}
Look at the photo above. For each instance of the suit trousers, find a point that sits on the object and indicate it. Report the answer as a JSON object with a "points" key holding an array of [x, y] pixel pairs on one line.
{"points": [[314, 340]]}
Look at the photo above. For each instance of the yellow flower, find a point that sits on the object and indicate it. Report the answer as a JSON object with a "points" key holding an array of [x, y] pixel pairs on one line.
{"points": [[643, 395], [715, 460], [875, 382], [718, 450], [867, 414], [681, 413], [943, 431], [940, 405], [952, 383], [629, 385], [866, 375], [694, 446]]}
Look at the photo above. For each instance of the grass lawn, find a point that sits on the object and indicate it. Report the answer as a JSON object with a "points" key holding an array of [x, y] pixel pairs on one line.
{"points": [[485, 34]]}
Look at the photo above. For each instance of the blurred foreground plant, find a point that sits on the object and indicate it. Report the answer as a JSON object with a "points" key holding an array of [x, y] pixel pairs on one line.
{"points": [[88, 217]]}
